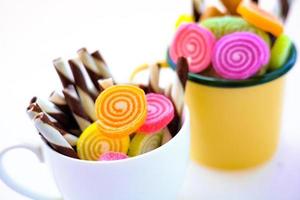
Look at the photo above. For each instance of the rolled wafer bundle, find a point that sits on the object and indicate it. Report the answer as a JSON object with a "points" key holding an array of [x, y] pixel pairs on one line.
{"points": [[53, 111], [87, 95], [102, 67], [105, 83], [53, 136], [58, 99], [91, 67], [75, 105], [33, 110], [166, 137], [210, 12], [63, 72]]}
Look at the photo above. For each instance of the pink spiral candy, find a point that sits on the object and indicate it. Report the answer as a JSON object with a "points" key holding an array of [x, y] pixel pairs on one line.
{"points": [[195, 43], [112, 156], [160, 112], [240, 55]]}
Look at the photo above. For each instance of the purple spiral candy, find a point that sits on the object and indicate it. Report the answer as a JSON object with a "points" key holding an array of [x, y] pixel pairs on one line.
{"points": [[240, 55]]}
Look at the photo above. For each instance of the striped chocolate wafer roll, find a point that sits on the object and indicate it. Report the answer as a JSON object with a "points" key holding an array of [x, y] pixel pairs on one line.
{"points": [[52, 110], [76, 107], [285, 7], [154, 72], [176, 93], [101, 65], [196, 9], [63, 72], [87, 92], [178, 88], [105, 83], [91, 67], [33, 110], [53, 136]]}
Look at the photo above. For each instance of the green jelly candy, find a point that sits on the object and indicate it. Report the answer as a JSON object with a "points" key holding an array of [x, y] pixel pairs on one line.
{"points": [[221, 26], [280, 52], [143, 143]]}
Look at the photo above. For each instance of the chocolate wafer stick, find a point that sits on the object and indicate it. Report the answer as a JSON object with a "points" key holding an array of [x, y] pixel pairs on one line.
{"points": [[63, 72], [105, 83], [101, 65], [76, 107], [53, 136], [52, 110], [196, 9], [176, 93], [154, 78], [87, 95], [285, 7], [91, 67], [33, 110]]}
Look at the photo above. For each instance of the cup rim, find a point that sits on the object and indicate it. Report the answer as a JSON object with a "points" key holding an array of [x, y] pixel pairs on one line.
{"points": [[223, 83], [186, 121]]}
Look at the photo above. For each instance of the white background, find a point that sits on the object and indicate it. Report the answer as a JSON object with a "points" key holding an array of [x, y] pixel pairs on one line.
{"points": [[128, 33]]}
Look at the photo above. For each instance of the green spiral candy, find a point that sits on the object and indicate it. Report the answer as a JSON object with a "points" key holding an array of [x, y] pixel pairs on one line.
{"points": [[280, 51], [143, 143], [221, 26]]}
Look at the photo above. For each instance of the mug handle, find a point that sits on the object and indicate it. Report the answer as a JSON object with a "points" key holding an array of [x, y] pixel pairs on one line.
{"points": [[4, 176]]}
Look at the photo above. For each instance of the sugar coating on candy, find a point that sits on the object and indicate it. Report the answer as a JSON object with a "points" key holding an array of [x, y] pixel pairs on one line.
{"points": [[121, 110], [143, 143], [195, 43], [221, 26], [160, 112], [240, 55], [108, 156], [93, 143], [260, 18], [280, 51]]}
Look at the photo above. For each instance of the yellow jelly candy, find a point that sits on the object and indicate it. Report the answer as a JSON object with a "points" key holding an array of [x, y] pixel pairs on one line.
{"points": [[184, 19], [93, 143], [121, 110]]}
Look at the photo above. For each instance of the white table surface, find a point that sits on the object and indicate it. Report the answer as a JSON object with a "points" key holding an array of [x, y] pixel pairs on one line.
{"points": [[128, 33]]}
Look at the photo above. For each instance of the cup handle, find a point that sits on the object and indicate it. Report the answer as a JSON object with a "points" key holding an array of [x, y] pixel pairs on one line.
{"points": [[22, 189]]}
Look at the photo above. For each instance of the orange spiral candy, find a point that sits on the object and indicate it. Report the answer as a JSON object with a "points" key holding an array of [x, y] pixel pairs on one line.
{"points": [[92, 143], [121, 110], [260, 18]]}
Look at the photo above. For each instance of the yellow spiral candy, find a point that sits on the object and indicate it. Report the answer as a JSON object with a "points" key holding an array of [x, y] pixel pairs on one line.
{"points": [[121, 110], [92, 143]]}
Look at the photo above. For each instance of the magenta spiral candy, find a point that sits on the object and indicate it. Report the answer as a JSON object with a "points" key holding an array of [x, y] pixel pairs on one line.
{"points": [[160, 112], [240, 55], [195, 43]]}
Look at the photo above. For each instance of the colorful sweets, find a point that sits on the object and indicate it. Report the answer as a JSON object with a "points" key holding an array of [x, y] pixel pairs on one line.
{"points": [[195, 43], [260, 18], [143, 143], [221, 26], [280, 51], [159, 115], [240, 55], [121, 110], [108, 156], [93, 143]]}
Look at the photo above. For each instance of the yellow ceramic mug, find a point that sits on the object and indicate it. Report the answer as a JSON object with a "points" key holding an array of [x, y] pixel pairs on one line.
{"points": [[236, 124]]}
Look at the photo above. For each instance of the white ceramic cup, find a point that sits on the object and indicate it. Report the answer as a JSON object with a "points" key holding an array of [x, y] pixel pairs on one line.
{"points": [[156, 175]]}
